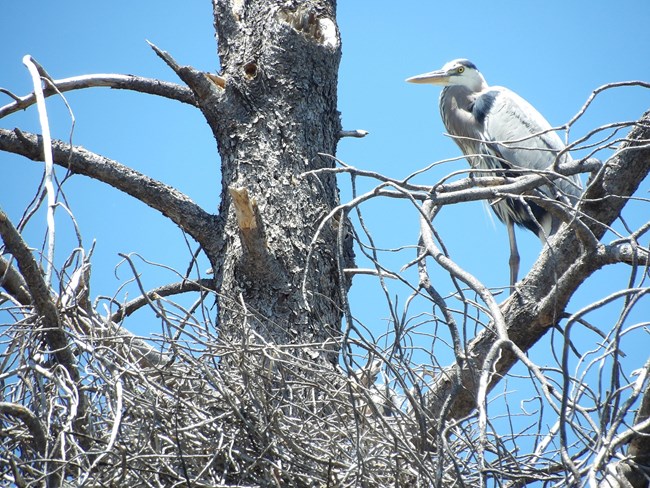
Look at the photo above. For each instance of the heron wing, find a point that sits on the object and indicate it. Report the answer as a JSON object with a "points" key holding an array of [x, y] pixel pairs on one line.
{"points": [[518, 134]]}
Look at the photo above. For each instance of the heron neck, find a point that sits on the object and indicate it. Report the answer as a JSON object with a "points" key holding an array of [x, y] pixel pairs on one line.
{"points": [[458, 95]]}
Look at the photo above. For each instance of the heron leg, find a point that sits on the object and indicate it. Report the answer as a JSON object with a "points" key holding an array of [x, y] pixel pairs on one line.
{"points": [[514, 255]]}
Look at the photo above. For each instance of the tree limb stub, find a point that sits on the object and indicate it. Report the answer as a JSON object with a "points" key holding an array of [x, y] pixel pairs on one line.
{"points": [[220, 81], [545, 292], [244, 209], [311, 24], [203, 85], [358, 133], [256, 252]]}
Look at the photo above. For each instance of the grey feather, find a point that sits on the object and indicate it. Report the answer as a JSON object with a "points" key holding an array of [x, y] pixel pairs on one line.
{"points": [[499, 130]]}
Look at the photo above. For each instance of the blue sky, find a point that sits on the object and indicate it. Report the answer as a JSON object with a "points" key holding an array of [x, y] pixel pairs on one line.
{"points": [[552, 53]]}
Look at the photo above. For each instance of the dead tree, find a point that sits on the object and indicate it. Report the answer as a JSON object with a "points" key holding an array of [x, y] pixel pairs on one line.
{"points": [[279, 386]]}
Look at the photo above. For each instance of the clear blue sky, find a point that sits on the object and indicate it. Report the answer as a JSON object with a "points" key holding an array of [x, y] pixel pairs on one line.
{"points": [[552, 53]]}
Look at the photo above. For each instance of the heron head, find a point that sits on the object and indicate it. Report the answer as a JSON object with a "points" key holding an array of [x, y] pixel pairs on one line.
{"points": [[459, 72]]}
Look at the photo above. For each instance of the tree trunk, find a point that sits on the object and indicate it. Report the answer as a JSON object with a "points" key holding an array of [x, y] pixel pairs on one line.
{"points": [[276, 113]]}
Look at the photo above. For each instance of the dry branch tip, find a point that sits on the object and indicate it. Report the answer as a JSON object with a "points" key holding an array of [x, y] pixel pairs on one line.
{"points": [[165, 56]]}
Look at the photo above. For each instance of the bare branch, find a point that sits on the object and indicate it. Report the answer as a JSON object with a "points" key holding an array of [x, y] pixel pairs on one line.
{"points": [[167, 200], [629, 253], [601, 89], [48, 182], [46, 309], [12, 281], [38, 289], [632, 470], [371, 272], [446, 263], [162, 291], [640, 443], [465, 190], [150, 86], [39, 440]]}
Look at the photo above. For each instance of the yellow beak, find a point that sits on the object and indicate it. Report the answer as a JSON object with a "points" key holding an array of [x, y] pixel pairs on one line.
{"points": [[438, 77]]}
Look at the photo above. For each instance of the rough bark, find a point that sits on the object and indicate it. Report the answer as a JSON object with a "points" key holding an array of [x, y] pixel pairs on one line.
{"points": [[272, 110], [277, 112]]}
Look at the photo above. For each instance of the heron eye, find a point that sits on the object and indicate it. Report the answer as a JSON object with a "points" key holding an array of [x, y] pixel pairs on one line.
{"points": [[460, 69]]}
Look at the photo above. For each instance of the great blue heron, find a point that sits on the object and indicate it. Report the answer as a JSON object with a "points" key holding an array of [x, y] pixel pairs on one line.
{"points": [[498, 130]]}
